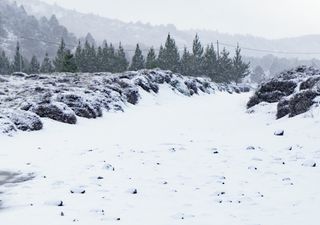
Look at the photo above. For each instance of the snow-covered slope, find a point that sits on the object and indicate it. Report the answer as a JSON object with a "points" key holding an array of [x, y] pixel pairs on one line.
{"points": [[169, 160], [62, 97]]}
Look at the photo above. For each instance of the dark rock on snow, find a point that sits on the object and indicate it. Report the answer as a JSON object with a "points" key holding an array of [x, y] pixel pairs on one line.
{"points": [[294, 90]]}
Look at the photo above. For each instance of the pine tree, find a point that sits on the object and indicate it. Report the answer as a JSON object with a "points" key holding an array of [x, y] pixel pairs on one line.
{"points": [[197, 55], [105, 58], [4, 64], [210, 63], [151, 61], [121, 60], [240, 68], [160, 59], [109, 58], [79, 57], [225, 67], [169, 57], [34, 65], [186, 63], [89, 60], [60, 57], [99, 60], [46, 65], [17, 65], [138, 62], [69, 63]]}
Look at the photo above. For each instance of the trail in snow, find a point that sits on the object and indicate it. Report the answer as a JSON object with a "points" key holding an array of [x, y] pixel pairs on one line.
{"points": [[170, 160]]}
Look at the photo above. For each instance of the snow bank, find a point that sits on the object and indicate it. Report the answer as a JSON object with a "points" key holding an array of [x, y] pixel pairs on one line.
{"points": [[64, 96]]}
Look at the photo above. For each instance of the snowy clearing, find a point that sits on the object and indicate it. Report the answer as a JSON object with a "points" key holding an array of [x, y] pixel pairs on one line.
{"points": [[169, 160]]}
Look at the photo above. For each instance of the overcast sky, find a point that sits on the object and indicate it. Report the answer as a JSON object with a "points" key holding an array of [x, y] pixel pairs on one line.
{"points": [[267, 18]]}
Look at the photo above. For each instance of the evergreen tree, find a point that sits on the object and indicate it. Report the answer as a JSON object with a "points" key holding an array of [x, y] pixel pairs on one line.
{"points": [[79, 57], [225, 67], [69, 63], [89, 60], [17, 65], [105, 57], [99, 60], [240, 68], [34, 65], [169, 57], [4, 64], [210, 63], [60, 57], [186, 63], [46, 65], [197, 56], [121, 60], [160, 59], [109, 58], [138, 62], [151, 61]]}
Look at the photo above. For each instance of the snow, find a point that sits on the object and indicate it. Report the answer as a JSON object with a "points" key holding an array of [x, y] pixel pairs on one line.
{"points": [[189, 160]]}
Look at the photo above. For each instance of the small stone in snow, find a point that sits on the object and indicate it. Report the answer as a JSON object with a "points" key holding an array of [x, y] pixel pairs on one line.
{"points": [[309, 163], [215, 152], [134, 191], [251, 148], [100, 178], [118, 219], [60, 203], [279, 133], [77, 191], [252, 168], [61, 214]]}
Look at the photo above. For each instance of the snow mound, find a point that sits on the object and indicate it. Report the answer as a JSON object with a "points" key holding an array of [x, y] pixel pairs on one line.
{"points": [[64, 96], [294, 90]]}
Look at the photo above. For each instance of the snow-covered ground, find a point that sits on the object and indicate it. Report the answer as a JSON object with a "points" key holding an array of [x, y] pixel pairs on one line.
{"points": [[169, 160]]}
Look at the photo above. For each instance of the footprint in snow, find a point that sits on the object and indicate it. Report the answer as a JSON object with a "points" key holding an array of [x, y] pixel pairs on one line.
{"points": [[287, 181], [109, 167]]}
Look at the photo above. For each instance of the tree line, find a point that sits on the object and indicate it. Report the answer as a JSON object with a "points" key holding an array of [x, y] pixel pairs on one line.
{"points": [[201, 61]]}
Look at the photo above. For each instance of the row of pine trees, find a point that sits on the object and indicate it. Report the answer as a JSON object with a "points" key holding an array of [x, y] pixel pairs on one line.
{"points": [[201, 61]]}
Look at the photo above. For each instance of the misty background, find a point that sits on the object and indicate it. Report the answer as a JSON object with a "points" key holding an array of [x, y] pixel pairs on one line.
{"points": [[271, 35]]}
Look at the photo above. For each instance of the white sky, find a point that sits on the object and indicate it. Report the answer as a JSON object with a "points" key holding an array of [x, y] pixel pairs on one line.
{"points": [[267, 18]]}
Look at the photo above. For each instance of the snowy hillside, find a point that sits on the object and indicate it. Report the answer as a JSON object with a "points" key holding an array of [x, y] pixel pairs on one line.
{"points": [[36, 36], [171, 159], [112, 30]]}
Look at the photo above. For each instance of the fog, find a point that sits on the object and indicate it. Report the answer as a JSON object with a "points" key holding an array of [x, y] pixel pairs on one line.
{"points": [[271, 19]]}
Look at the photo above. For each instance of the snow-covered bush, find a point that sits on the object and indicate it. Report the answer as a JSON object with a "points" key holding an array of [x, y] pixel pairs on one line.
{"points": [[294, 90], [64, 96]]}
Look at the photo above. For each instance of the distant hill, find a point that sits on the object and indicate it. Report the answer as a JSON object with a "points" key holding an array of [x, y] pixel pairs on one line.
{"points": [[17, 25], [131, 33]]}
